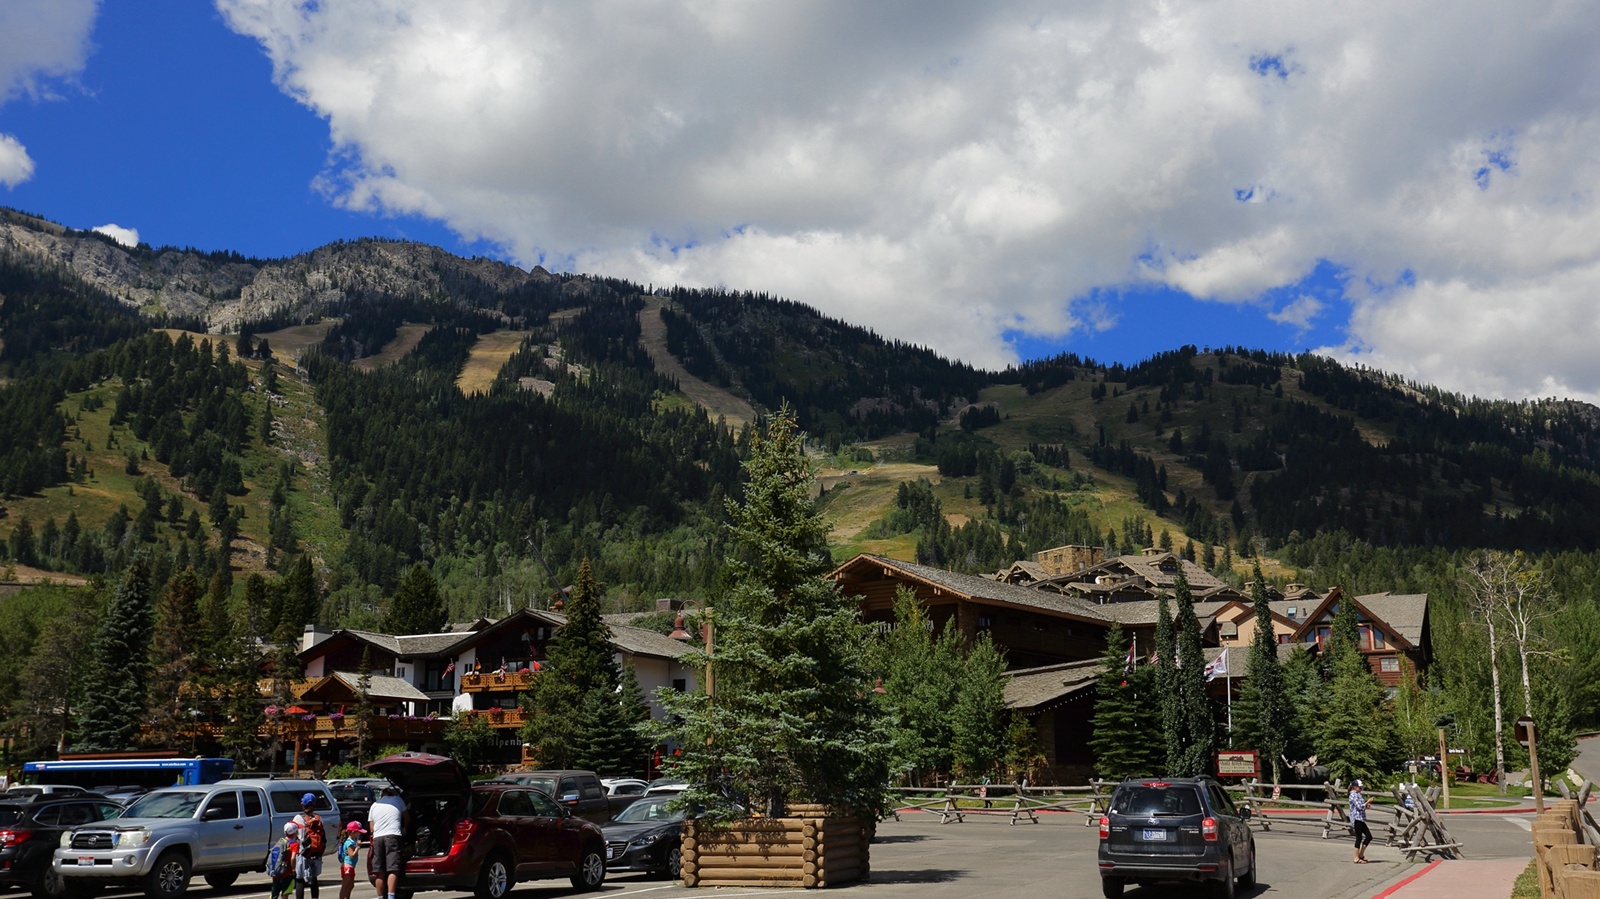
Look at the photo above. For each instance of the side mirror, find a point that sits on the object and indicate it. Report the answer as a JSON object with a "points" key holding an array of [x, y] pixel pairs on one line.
{"points": [[570, 798], [211, 814], [1244, 813]]}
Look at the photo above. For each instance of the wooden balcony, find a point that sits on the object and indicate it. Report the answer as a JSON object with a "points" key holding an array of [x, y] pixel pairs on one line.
{"points": [[381, 728], [503, 719], [490, 682]]}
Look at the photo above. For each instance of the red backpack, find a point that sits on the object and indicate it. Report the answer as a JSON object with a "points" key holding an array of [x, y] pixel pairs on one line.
{"points": [[315, 839]]}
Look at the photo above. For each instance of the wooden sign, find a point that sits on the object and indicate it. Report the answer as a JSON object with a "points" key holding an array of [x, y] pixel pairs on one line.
{"points": [[1238, 763]]}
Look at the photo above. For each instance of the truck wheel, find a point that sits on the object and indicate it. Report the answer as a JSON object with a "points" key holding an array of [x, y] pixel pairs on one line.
{"points": [[591, 871], [221, 880], [169, 878], [49, 884], [495, 880]]}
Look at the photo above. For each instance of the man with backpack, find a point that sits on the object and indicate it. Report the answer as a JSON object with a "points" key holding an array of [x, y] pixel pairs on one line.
{"points": [[313, 843]]}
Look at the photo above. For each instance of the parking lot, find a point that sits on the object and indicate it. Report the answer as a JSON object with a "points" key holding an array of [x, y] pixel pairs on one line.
{"points": [[916, 856]]}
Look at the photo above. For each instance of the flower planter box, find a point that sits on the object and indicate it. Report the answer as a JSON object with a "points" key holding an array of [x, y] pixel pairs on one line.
{"points": [[809, 850]]}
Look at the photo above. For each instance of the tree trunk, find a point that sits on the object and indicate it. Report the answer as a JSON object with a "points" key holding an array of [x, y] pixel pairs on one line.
{"points": [[1499, 713]]}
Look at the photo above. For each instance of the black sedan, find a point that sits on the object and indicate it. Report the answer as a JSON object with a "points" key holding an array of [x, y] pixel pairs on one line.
{"points": [[30, 831], [645, 836]]}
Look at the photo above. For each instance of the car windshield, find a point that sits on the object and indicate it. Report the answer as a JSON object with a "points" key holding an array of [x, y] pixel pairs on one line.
{"points": [[346, 792], [174, 804], [1152, 800], [652, 811]]}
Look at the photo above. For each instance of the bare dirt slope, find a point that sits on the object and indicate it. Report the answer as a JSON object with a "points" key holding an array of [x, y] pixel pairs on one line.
{"points": [[488, 356], [715, 400], [404, 342]]}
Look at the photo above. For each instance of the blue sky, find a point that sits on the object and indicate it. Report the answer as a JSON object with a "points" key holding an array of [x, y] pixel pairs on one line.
{"points": [[1411, 188]]}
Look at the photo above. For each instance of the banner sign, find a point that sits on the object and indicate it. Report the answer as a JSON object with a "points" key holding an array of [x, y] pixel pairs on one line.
{"points": [[1238, 763]]}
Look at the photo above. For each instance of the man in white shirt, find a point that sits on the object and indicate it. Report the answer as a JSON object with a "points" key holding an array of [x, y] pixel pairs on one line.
{"points": [[387, 819]]}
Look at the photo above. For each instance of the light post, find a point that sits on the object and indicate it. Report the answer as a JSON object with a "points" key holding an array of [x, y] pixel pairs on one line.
{"points": [[707, 634]]}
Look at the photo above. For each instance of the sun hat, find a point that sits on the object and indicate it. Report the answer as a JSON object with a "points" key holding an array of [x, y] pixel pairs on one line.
{"points": [[355, 826], [291, 828], [308, 799]]}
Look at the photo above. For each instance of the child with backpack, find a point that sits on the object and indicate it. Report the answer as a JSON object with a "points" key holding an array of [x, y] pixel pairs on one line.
{"points": [[349, 854], [313, 843], [281, 860]]}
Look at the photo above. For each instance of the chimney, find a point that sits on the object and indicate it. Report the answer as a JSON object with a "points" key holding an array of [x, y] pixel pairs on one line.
{"points": [[314, 634]]}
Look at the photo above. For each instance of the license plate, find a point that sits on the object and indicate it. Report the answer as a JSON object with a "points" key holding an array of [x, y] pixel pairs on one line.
{"points": [[86, 860], [611, 853], [1153, 835]]}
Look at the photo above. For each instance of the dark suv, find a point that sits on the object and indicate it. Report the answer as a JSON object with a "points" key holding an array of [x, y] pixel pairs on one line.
{"points": [[1176, 828], [30, 830], [488, 837]]}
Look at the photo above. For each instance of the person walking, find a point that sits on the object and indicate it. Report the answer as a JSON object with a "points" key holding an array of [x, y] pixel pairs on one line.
{"points": [[349, 855], [1358, 821], [313, 843], [281, 860], [388, 819]]}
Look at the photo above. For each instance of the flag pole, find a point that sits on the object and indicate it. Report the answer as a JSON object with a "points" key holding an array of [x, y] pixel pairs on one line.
{"points": [[1227, 672]]}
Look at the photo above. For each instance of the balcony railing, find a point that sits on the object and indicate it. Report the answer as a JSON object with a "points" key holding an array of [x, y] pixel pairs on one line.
{"points": [[383, 728], [502, 718], [492, 682]]}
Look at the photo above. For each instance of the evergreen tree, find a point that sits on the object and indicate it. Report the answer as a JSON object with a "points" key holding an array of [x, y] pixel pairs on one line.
{"points": [[1166, 684], [1259, 715], [302, 601], [364, 706], [1126, 732], [791, 719], [568, 703], [979, 721], [469, 738], [114, 691], [173, 661], [1198, 721], [415, 608], [1356, 733], [921, 680]]}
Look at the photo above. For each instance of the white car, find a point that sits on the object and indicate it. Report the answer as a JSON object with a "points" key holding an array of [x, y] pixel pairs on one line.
{"points": [[623, 786]]}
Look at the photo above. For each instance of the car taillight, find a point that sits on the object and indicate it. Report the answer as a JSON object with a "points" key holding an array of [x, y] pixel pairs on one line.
{"points": [[1105, 826], [13, 836], [464, 830], [1208, 829]]}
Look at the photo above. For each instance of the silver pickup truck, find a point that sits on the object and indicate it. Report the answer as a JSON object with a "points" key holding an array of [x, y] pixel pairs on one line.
{"points": [[218, 830]]}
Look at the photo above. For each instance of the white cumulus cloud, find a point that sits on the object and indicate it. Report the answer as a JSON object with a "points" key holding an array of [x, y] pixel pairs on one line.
{"points": [[948, 172], [128, 237], [40, 41]]}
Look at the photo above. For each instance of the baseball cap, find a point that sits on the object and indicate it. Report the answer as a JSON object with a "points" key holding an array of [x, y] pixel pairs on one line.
{"points": [[308, 799], [1358, 784], [355, 826], [291, 828]]}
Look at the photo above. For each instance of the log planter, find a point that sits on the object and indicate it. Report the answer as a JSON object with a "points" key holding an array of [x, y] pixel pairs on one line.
{"points": [[811, 849]]}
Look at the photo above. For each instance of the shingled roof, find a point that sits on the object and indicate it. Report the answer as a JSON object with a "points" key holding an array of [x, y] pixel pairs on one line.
{"points": [[1405, 613], [984, 590], [1038, 689]]}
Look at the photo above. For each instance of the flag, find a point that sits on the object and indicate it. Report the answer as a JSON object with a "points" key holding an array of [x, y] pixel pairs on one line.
{"points": [[1127, 666], [1217, 667], [450, 667]]}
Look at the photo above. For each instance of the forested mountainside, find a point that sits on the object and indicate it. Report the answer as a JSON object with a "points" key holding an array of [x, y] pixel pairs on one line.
{"points": [[235, 414]]}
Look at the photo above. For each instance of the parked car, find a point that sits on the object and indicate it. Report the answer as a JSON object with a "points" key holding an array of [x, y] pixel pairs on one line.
{"points": [[623, 786], [354, 801], [485, 838], [666, 786], [124, 794], [218, 830], [31, 829], [25, 792], [1179, 828], [579, 792], [646, 836]]}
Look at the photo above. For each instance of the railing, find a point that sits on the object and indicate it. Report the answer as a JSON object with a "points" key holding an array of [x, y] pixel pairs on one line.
{"points": [[398, 729], [492, 682], [502, 718], [1021, 802]]}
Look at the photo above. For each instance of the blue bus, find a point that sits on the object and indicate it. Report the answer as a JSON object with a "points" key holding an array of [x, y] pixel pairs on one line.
{"points": [[145, 773]]}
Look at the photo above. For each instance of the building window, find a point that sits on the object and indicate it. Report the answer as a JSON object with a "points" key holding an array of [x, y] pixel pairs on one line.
{"points": [[1390, 664], [680, 684]]}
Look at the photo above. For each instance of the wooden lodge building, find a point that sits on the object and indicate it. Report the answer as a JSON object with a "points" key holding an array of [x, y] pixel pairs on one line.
{"points": [[1051, 615]]}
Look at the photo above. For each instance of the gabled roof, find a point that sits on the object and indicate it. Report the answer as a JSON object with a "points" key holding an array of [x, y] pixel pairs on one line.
{"points": [[1151, 569], [1038, 689], [636, 641], [1410, 613], [380, 686], [981, 590]]}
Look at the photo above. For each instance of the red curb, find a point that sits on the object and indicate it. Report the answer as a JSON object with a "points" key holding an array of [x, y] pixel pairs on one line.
{"points": [[1393, 889]]}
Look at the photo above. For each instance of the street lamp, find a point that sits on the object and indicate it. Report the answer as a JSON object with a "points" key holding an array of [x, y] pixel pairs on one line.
{"points": [[707, 633]]}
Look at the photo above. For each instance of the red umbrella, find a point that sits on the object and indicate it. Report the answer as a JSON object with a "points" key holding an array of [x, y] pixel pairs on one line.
{"points": [[294, 710]]}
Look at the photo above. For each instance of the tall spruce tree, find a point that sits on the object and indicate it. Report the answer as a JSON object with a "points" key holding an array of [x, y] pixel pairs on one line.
{"points": [[568, 703], [921, 681], [1356, 733], [1126, 727], [415, 608], [1198, 720], [1259, 715], [1166, 684], [790, 719], [979, 721], [174, 662], [114, 692]]}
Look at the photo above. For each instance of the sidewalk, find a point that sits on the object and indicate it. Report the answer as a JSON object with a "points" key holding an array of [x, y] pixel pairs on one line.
{"points": [[1459, 879]]}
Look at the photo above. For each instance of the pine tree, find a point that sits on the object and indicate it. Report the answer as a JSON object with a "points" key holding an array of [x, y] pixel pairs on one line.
{"points": [[568, 704], [1166, 685], [791, 719], [173, 661], [1356, 733], [364, 706], [1260, 712], [416, 607], [921, 680], [979, 721], [1125, 730], [302, 601], [114, 691], [1199, 722]]}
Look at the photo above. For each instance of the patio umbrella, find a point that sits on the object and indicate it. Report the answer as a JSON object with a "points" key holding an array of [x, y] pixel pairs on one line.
{"points": [[294, 710]]}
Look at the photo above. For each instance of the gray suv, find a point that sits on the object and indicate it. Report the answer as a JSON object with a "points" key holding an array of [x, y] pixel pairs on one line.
{"points": [[218, 830], [1175, 828]]}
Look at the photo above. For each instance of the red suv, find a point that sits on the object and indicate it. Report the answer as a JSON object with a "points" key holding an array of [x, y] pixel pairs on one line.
{"points": [[488, 837]]}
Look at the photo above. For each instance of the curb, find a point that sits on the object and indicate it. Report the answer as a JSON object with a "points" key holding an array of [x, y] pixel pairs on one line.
{"points": [[1394, 888]]}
